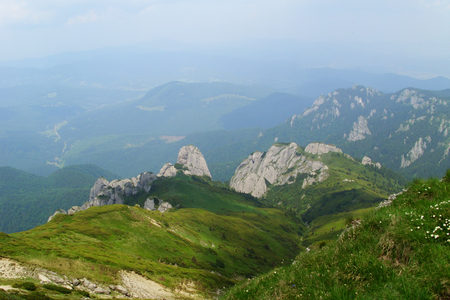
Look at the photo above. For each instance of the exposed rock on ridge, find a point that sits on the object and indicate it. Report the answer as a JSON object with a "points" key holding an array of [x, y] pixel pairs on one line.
{"points": [[105, 193], [279, 165], [367, 161], [192, 161], [321, 148]]}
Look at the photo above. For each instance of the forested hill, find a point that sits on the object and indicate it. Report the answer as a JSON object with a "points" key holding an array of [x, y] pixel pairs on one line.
{"points": [[28, 200]]}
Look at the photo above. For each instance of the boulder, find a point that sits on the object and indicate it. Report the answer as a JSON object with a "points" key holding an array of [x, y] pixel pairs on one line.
{"points": [[168, 170], [149, 204], [101, 291], [122, 290], [165, 206]]}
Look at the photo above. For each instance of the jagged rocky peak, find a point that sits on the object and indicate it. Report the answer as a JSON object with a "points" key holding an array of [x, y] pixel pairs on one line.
{"points": [[321, 148], [104, 192], [279, 165], [190, 161], [367, 161]]}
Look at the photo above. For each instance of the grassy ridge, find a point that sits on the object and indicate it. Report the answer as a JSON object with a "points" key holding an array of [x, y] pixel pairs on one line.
{"points": [[211, 249], [398, 252], [350, 186]]}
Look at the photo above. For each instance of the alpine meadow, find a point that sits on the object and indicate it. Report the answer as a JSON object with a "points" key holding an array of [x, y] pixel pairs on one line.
{"points": [[224, 150]]}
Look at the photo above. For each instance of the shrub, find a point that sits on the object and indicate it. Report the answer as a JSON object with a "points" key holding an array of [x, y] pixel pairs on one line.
{"points": [[84, 294], [56, 288], [220, 263], [29, 286]]}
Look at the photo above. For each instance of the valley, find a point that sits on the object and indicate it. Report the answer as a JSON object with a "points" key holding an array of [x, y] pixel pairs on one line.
{"points": [[272, 186]]}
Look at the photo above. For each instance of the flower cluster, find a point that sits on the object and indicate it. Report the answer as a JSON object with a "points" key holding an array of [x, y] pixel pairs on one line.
{"points": [[435, 226]]}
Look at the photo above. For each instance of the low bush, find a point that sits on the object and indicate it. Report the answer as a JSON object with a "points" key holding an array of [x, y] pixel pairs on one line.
{"points": [[56, 288]]}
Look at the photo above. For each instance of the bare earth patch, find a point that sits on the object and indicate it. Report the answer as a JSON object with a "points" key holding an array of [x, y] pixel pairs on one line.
{"points": [[143, 288]]}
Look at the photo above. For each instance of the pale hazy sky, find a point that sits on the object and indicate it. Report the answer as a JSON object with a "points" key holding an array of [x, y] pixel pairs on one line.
{"points": [[34, 28]]}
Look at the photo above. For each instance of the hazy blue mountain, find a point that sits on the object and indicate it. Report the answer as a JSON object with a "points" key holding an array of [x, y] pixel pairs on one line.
{"points": [[265, 113]]}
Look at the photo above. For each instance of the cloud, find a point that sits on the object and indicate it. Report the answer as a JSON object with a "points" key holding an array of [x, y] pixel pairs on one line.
{"points": [[89, 17], [13, 12]]}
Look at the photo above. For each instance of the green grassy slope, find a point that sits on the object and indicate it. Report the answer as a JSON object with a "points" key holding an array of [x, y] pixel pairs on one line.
{"points": [[349, 186], [398, 252], [234, 240]]}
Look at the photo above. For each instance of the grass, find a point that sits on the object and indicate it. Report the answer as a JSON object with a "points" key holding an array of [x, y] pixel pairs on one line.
{"points": [[329, 226], [236, 239], [398, 252], [350, 186]]}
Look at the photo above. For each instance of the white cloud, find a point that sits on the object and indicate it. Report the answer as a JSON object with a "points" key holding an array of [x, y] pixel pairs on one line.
{"points": [[12, 12], [89, 17]]}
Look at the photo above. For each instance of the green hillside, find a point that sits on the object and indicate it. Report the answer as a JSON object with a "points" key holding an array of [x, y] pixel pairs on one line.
{"points": [[396, 252], [28, 200], [235, 237], [350, 186]]}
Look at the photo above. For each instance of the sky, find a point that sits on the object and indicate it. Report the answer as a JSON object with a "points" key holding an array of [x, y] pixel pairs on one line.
{"points": [[36, 28]]}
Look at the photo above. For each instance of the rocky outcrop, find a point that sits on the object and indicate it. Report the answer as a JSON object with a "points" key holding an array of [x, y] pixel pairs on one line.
{"points": [[190, 161], [165, 206], [321, 148], [414, 154], [360, 130], [149, 204], [367, 161], [106, 193], [281, 164], [168, 170]]}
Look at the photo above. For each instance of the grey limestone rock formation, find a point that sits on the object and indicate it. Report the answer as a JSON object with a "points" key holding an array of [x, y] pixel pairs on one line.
{"points": [[168, 170], [279, 165], [149, 204], [360, 130], [367, 161], [414, 154], [106, 193], [192, 161], [321, 148], [165, 206]]}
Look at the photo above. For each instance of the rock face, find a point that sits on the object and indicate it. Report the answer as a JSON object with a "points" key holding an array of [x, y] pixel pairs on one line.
{"points": [[280, 165], [168, 170], [414, 154], [321, 148], [191, 161], [367, 161], [149, 204], [360, 130], [106, 193]]}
